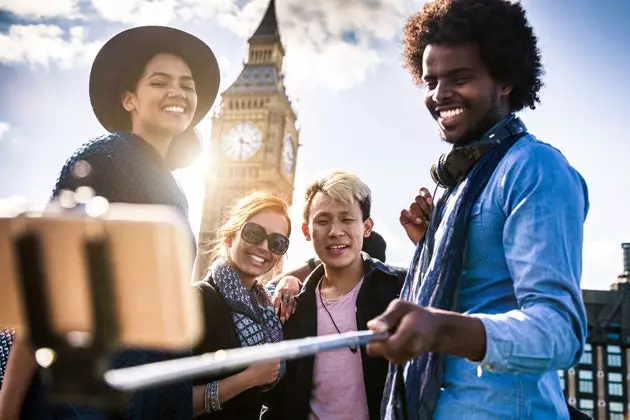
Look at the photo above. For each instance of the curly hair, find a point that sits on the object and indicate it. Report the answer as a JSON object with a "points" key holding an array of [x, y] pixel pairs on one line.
{"points": [[499, 28]]}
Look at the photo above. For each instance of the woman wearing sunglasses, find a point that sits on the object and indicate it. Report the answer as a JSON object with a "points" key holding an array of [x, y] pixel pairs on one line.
{"points": [[238, 311]]}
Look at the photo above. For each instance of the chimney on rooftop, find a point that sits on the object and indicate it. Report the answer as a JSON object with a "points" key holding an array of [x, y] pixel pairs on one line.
{"points": [[626, 258], [623, 281]]}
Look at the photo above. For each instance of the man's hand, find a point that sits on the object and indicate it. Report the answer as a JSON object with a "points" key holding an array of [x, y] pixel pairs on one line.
{"points": [[416, 330], [415, 220], [284, 298]]}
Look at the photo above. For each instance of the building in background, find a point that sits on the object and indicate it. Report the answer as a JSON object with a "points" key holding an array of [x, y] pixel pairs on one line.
{"points": [[254, 139], [599, 385]]}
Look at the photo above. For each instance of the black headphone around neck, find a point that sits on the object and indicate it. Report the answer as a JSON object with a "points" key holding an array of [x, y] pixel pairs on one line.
{"points": [[451, 168]]}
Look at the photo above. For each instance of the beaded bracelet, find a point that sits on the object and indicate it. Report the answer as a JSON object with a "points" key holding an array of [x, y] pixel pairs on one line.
{"points": [[6, 342], [211, 397]]}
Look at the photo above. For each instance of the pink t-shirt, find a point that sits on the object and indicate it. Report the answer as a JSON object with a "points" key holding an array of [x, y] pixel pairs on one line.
{"points": [[338, 389]]}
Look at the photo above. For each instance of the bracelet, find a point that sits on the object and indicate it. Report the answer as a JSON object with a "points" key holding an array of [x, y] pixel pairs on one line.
{"points": [[211, 397]]}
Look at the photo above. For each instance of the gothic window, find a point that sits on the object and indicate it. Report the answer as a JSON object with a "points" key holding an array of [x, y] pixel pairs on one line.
{"points": [[616, 410], [613, 336], [613, 356], [615, 384], [587, 356], [586, 381], [587, 406]]}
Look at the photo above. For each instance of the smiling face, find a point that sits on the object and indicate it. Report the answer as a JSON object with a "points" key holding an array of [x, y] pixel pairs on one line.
{"points": [[164, 101], [337, 230], [460, 93], [253, 261]]}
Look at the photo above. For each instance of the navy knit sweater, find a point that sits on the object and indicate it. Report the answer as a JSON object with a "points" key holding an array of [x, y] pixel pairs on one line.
{"points": [[126, 169]]}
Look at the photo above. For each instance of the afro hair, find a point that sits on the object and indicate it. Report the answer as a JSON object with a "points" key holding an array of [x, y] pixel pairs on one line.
{"points": [[499, 28]]}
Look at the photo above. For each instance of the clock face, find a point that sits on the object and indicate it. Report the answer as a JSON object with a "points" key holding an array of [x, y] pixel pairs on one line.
{"points": [[288, 154], [242, 141]]}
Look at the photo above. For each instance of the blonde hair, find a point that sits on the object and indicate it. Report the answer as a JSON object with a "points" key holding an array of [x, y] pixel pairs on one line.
{"points": [[239, 213], [342, 186]]}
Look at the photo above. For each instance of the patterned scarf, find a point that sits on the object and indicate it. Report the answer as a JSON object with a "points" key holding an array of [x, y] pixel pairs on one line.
{"points": [[253, 314], [433, 279]]}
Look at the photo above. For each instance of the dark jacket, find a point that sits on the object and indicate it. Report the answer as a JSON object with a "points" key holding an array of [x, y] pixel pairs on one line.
{"points": [[290, 399], [221, 335]]}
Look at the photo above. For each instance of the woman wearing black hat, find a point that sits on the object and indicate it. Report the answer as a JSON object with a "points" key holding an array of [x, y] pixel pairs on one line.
{"points": [[149, 87]]}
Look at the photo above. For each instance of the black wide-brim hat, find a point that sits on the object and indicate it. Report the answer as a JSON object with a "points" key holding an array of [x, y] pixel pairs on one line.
{"points": [[123, 58]]}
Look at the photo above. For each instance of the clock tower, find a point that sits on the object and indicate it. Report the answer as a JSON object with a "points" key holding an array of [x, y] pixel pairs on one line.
{"points": [[254, 140]]}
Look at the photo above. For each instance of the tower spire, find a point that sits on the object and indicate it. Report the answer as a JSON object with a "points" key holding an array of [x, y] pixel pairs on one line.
{"points": [[268, 29]]}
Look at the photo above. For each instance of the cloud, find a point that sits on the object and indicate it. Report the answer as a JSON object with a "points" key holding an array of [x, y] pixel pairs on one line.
{"points": [[41, 9], [330, 43], [137, 12], [8, 133], [225, 68], [4, 129], [43, 45]]}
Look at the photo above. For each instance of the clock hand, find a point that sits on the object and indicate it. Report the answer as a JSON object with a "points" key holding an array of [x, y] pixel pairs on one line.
{"points": [[240, 150]]}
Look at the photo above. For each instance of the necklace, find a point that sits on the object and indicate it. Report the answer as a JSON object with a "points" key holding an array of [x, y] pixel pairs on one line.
{"points": [[353, 349]]}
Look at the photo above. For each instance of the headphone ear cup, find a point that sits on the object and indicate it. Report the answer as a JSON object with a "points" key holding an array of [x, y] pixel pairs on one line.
{"points": [[435, 176], [440, 173]]}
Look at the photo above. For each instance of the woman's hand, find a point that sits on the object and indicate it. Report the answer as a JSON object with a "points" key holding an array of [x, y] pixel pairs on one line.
{"points": [[284, 301], [262, 374]]}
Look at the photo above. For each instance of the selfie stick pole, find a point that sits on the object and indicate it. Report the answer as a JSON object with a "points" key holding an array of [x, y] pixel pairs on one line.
{"points": [[139, 377]]}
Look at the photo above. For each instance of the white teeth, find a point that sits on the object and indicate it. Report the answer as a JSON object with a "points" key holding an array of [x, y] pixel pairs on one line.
{"points": [[174, 109], [449, 113], [338, 246], [257, 258]]}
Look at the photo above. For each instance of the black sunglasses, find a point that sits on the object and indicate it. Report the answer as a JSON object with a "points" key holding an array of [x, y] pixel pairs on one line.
{"points": [[255, 234]]}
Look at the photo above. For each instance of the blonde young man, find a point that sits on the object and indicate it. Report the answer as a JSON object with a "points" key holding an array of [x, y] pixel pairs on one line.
{"points": [[342, 294]]}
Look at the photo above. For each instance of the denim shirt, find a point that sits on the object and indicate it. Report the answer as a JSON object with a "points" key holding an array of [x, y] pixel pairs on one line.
{"points": [[521, 278]]}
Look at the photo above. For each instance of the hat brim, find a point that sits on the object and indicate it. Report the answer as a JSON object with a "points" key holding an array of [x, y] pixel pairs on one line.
{"points": [[132, 49]]}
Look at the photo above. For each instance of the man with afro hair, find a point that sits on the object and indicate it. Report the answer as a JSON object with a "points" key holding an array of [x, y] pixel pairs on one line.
{"points": [[492, 307]]}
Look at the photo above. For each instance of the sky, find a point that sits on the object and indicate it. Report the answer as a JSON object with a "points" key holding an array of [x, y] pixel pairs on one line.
{"points": [[358, 109]]}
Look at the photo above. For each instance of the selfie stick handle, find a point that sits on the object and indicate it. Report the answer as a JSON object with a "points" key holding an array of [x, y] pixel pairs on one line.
{"points": [[75, 372], [153, 374]]}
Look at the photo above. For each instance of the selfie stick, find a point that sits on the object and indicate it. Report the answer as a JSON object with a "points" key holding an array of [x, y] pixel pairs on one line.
{"points": [[160, 373]]}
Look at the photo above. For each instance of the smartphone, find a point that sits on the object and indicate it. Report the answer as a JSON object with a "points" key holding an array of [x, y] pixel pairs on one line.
{"points": [[151, 259]]}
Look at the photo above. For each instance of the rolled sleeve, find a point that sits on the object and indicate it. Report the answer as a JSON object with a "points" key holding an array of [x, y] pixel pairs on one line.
{"points": [[523, 341], [546, 203]]}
